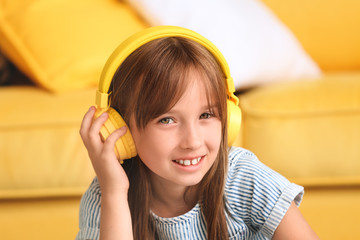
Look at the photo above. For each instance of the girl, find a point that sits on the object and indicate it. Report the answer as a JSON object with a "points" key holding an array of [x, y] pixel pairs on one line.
{"points": [[184, 183]]}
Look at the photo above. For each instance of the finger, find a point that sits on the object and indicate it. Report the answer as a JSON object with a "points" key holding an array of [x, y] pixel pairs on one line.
{"points": [[96, 126], [111, 140], [87, 120]]}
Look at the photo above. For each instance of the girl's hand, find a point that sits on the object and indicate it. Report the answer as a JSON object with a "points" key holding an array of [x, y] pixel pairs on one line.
{"points": [[115, 214], [111, 175]]}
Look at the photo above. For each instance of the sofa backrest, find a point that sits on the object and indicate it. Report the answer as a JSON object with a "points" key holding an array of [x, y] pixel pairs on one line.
{"points": [[329, 30]]}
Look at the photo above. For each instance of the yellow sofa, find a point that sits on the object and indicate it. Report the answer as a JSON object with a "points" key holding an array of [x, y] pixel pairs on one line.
{"points": [[310, 130], [44, 168], [307, 130]]}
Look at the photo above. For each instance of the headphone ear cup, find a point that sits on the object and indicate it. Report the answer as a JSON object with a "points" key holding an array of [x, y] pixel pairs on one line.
{"points": [[234, 121], [124, 147]]}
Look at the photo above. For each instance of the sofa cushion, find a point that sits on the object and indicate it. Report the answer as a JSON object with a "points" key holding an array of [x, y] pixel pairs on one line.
{"points": [[259, 48], [41, 152], [63, 45], [328, 30], [308, 131]]}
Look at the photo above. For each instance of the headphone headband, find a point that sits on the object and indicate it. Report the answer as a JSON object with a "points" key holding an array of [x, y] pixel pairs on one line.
{"points": [[145, 36], [125, 146]]}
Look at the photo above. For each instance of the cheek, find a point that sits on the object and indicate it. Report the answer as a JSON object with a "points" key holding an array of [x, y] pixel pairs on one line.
{"points": [[214, 136], [151, 146]]}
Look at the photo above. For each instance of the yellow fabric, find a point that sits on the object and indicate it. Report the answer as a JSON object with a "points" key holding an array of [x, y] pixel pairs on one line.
{"points": [[63, 44], [41, 152], [307, 130], [333, 212], [327, 29], [47, 218]]}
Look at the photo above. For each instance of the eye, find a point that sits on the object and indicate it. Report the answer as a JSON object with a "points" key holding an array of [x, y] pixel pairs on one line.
{"points": [[166, 120], [206, 115]]}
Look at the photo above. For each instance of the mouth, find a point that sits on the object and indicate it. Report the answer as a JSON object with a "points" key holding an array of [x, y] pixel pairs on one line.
{"points": [[188, 162]]}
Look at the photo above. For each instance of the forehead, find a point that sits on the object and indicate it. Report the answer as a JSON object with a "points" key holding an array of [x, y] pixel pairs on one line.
{"points": [[197, 91], [194, 87]]}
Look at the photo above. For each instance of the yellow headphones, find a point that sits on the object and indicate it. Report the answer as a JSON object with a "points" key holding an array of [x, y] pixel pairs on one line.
{"points": [[125, 146]]}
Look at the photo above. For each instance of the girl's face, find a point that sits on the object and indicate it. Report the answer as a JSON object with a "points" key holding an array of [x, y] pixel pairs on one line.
{"points": [[180, 146]]}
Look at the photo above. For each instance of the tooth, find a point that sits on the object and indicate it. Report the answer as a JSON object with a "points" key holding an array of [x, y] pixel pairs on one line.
{"points": [[194, 161], [186, 162], [181, 161]]}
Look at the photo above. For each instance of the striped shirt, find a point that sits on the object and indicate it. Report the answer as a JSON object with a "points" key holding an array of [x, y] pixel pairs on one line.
{"points": [[257, 199]]}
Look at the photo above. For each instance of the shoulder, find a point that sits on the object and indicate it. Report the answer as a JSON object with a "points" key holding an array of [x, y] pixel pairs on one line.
{"points": [[244, 164], [246, 171], [256, 194], [248, 178]]}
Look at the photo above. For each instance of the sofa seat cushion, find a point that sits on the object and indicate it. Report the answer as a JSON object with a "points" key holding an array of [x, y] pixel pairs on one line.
{"points": [[307, 130], [41, 152]]}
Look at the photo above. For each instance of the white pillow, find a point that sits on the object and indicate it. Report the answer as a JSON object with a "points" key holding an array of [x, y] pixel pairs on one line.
{"points": [[259, 48]]}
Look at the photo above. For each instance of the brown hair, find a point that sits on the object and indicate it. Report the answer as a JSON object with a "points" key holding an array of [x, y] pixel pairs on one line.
{"points": [[149, 83]]}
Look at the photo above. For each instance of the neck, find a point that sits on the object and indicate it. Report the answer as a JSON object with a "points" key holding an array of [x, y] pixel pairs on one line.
{"points": [[168, 199]]}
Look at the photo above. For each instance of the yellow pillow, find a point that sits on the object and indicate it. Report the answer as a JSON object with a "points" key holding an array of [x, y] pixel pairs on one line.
{"points": [[63, 44]]}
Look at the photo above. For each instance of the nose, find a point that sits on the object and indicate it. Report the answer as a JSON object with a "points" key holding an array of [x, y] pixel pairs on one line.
{"points": [[191, 137]]}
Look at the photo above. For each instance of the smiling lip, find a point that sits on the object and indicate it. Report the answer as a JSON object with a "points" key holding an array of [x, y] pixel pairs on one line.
{"points": [[188, 161]]}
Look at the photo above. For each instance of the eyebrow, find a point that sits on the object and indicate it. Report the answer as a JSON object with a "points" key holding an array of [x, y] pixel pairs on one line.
{"points": [[203, 108]]}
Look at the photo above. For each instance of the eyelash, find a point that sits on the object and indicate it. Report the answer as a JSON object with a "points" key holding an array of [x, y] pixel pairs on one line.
{"points": [[208, 115], [169, 120], [162, 121]]}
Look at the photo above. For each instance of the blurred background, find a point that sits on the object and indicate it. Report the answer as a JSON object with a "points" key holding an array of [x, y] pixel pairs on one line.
{"points": [[296, 69]]}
